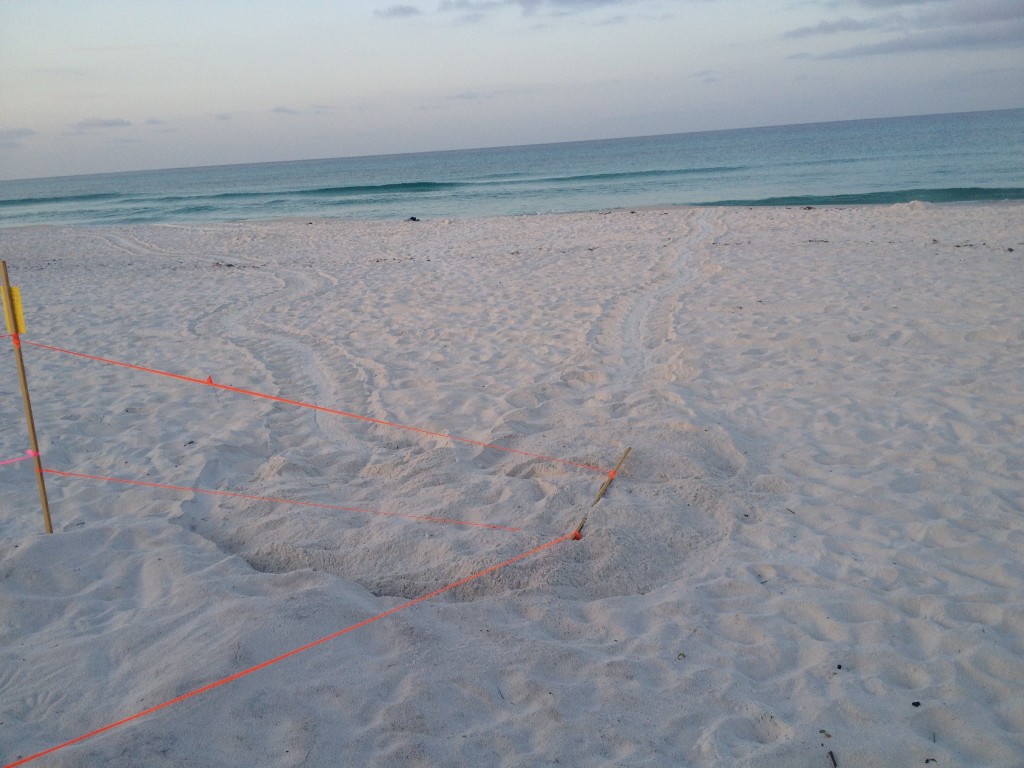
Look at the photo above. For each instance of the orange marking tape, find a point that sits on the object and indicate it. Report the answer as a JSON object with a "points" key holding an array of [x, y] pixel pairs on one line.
{"points": [[29, 454], [231, 494], [283, 656], [211, 383]]}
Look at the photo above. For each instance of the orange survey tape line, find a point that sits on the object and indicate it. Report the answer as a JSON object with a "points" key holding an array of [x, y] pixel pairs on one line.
{"points": [[211, 383], [29, 454], [288, 655], [272, 500]]}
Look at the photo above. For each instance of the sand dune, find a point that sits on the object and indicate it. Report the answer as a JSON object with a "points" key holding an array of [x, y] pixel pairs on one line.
{"points": [[814, 547]]}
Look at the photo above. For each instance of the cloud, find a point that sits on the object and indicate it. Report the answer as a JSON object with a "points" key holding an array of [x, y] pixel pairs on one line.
{"points": [[14, 134], [83, 127], [483, 95], [476, 8], [398, 12], [100, 124], [920, 25], [467, 98], [845, 24], [1001, 36], [315, 109], [574, 5], [160, 126], [11, 138], [984, 12], [474, 11], [895, 3], [612, 20]]}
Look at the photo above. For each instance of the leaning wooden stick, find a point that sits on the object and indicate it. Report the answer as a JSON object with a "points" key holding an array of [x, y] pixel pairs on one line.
{"points": [[577, 533], [611, 476], [12, 319]]}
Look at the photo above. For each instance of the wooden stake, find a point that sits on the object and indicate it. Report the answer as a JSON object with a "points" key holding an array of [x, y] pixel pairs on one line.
{"points": [[611, 476], [577, 533], [8, 300]]}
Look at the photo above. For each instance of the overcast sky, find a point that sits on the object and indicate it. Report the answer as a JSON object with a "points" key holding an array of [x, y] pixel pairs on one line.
{"points": [[111, 85]]}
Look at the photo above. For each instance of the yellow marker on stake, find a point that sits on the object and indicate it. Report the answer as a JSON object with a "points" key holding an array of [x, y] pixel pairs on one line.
{"points": [[13, 309], [19, 312]]}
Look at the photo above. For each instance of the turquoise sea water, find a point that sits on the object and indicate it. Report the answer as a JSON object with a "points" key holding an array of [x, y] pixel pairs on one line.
{"points": [[936, 158]]}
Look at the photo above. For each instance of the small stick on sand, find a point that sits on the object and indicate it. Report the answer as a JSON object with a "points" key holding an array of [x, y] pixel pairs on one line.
{"points": [[611, 476], [577, 533]]}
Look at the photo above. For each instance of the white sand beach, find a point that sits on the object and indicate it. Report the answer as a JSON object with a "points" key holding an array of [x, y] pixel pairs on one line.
{"points": [[811, 557]]}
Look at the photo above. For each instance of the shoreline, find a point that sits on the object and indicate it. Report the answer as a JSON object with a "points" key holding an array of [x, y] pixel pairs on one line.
{"points": [[1009, 202]]}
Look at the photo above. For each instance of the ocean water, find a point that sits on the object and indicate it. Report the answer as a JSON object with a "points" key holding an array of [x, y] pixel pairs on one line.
{"points": [[971, 156]]}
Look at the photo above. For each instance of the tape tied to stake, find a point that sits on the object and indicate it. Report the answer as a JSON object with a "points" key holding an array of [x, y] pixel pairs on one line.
{"points": [[29, 454]]}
